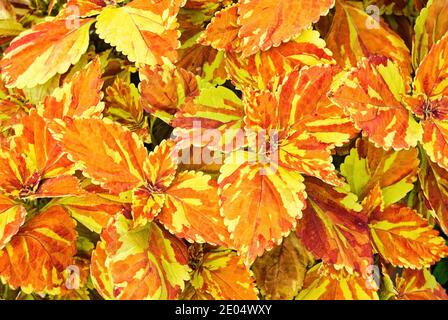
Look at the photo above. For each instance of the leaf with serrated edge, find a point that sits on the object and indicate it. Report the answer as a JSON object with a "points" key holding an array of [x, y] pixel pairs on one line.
{"points": [[12, 217], [325, 283], [144, 30], [71, 99], [371, 95], [405, 239], [394, 171], [430, 26], [333, 229], [145, 263], [355, 35], [37, 255], [418, 285], [112, 156], [260, 204], [268, 23], [223, 276], [26, 62], [191, 209]]}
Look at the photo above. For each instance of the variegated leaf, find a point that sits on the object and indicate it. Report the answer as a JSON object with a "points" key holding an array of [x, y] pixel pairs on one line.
{"points": [[394, 171], [222, 275], [355, 35], [405, 239], [260, 203], [267, 69], [33, 165], [144, 30], [91, 210], [160, 170], [213, 119], [71, 99], [277, 120], [334, 230], [430, 26], [164, 89], [47, 49], [191, 210], [123, 105], [324, 283], [304, 93], [38, 254], [12, 217], [418, 285], [145, 263], [112, 156], [222, 31], [268, 23], [434, 183], [371, 94]]}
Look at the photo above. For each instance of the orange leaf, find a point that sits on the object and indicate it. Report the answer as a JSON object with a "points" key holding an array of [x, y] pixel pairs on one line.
{"points": [[71, 99], [61, 186], [434, 182], [112, 156], [123, 105], [216, 110], [355, 35], [325, 283], [206, 62], [291, 144], [164, 89], [430, 77], [223, 276], [430, 27], [260, 204], [160, 169], [222, 31], [304, 92], [12, 216], [333, 230], [145, 263], [371, 94], [393, 171], [191, 210], [38, 254], [268, 23], [418, 285], [430, 103], [405, 239], [91, 210], [11, 179], [267, 69], [101, 277], [47, 49], [32, 157]]}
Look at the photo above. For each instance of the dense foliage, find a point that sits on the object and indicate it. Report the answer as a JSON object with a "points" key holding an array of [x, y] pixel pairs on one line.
{"points": [[219, 149]]}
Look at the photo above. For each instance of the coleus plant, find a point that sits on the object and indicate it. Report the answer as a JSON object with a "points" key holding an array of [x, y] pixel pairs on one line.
{"points": [[219, 149]]}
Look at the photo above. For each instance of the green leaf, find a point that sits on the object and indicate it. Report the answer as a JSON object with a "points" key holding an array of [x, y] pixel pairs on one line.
{"points": [[441, 271]]}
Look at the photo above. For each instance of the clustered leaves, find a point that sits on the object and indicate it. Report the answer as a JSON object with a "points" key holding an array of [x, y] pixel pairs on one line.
{"points": [[100, 100]]}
